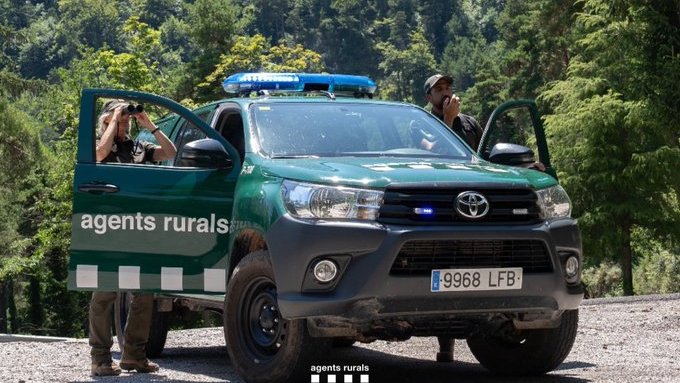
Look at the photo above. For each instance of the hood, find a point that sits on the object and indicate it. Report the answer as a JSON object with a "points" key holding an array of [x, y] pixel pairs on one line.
{"points": [[380, 172]]}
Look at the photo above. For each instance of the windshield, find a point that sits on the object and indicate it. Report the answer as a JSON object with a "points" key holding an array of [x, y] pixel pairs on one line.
{"points": [[371, 130]]}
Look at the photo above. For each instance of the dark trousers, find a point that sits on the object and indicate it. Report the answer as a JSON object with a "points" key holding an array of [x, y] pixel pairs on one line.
{"points": [[136, 328]]}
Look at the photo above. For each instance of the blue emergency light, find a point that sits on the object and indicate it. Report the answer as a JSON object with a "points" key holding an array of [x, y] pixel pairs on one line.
{"points": [[341, 84], [426, 211]]}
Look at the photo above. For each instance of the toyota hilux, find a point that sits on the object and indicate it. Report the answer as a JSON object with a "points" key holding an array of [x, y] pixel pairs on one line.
{"points": [[319, 217]]}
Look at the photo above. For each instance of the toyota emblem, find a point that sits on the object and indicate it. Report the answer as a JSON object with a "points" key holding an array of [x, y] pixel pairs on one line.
{"points": [[472, 205]]}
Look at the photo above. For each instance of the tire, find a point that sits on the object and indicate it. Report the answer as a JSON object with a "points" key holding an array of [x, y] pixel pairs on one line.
{"points": [[530, 352], [158, 332], [263, 347]]}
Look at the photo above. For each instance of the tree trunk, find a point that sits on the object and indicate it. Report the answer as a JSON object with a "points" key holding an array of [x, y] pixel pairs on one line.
{"points": [[12, 308], [35, 306], [3, 307], [627, 261]]}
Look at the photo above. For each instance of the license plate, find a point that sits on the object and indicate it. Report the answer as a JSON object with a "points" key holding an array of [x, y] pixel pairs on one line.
{"points": [[509, 278]]}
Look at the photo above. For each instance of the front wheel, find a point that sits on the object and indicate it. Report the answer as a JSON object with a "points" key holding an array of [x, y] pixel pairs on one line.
{"points": [[526, 352], [263, 346]]}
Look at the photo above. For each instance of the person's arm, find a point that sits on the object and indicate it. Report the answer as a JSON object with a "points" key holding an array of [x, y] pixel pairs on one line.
{"points": [[105, 143], [167, 149], [451, 109]]}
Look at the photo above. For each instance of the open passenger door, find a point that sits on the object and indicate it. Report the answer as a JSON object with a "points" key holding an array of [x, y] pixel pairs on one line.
{"points": [[152, 227], [517, 122]]}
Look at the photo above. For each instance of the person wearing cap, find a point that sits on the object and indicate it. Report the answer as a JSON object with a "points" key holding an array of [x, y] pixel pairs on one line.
{"points": [[446, 107], [115, 145]]}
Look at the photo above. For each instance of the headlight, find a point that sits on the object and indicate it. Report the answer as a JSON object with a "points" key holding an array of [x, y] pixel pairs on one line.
{"points": [[304, 200], [554, 202]]}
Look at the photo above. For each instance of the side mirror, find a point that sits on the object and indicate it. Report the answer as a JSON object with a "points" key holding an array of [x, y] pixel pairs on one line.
{"points": [[205, 153], [512, 155]]}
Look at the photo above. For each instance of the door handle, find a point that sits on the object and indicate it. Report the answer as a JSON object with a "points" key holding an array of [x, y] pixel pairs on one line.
{"points": [[98, 188]]}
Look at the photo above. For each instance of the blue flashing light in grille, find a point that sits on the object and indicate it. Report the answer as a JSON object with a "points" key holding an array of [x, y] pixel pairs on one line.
{"points": [[244, 83], [424, 211]]}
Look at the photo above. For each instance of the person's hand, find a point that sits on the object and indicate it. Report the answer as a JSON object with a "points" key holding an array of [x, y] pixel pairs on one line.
{"points": [[144, 121], [428, 145], [538, 166], [451, 108], [117, 113]]}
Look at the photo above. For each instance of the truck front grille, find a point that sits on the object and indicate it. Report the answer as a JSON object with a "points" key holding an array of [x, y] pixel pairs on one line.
{"points": [[506, 206], [420, 257]]}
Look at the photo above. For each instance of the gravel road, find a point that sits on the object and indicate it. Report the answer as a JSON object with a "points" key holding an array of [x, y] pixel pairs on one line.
{"points": [[619, 340]]}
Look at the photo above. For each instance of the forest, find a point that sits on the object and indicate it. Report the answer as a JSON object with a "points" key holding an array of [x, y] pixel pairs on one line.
{"points": [[605, 74]]}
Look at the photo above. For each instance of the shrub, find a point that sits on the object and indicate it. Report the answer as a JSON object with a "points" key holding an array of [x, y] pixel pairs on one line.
{"points": [[658, 273], [604, 280]]}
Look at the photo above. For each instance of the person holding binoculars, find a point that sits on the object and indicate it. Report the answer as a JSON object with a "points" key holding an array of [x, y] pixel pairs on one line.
{"points": [[115, 144]]}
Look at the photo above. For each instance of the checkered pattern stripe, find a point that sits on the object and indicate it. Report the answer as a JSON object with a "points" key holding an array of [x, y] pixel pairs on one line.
{"points": [[171, 278], [339, 378]]}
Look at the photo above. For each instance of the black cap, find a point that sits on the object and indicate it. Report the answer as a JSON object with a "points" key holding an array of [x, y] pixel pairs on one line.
{"points": [[433, 80]]}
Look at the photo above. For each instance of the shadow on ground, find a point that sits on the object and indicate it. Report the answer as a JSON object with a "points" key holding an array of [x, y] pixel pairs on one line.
{"points": [[213, 363]]}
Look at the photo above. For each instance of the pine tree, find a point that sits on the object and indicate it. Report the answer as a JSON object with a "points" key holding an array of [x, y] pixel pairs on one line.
{"points": [[615, 119]]}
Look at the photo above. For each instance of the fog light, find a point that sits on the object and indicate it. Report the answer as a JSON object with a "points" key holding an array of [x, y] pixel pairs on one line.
{"points": [[571, 267], [325, 271]]}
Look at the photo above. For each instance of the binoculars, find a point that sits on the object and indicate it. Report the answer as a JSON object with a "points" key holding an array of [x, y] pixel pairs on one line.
{"points": [[132, 109]]}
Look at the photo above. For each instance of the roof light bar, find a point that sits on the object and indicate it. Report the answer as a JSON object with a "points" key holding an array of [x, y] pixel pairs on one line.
{"points": [[244, 83]]}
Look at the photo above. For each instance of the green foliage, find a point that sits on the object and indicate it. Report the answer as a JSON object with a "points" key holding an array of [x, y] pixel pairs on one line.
{"points": [[538, 36], [508, 50], [20, 148], [22, 155], [156, 12], [19, 14], [268, 18], [347, 36], [615, 131], [658, 273], [406, 69], [486, 14], [211, 27], [435, 15], [176, 51], [658, 269], [212, 24], [604, 280], [465, 49], [94, 23], [255, 53], [39, 52], [64, 311], [14, 85]]}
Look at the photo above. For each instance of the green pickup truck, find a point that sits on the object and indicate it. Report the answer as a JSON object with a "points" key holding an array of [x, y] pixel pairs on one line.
{"points": [[319, 219]]}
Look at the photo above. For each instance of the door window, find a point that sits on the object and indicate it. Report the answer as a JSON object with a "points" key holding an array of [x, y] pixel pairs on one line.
{"points": [[513, 127], [188, 132], [230, 126], [132, 132], [518, 122]]}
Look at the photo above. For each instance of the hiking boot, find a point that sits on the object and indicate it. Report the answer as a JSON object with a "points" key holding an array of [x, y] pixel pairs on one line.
{"points": [[143, 365], [106, 368]]}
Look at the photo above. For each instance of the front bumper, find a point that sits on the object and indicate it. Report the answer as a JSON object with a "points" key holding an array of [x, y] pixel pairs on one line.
{"points": [[367, 291]]}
